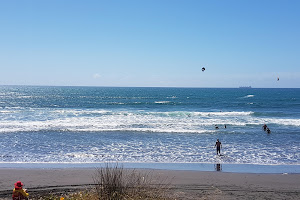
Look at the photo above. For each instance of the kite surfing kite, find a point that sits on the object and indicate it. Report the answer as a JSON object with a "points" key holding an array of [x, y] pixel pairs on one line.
{"points": [[203, 69]]}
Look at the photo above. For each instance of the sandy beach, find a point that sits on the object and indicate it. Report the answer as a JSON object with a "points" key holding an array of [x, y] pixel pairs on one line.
{"points": [[184, 184]]}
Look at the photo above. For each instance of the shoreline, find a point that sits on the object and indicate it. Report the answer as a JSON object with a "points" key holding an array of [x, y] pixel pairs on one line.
{"points": [[185, 184], [204, 167]]}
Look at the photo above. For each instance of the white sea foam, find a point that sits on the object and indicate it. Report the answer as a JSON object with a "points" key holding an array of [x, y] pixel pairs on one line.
{"points": [[172, 97], [223, 113], [285, 122], [185, 149], [79, 155], [248, 96], [6, 111], [162, 102], [105, 120]]}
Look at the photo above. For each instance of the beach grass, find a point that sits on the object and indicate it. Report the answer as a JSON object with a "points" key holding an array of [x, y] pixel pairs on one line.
{"points": [[113, 182]]}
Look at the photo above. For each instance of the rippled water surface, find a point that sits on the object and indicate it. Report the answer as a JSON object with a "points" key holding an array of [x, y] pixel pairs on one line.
{"points": [[160, 125]]}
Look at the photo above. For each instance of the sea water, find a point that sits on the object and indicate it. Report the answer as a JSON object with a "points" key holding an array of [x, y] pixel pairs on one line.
{"points": [[40, 124]]}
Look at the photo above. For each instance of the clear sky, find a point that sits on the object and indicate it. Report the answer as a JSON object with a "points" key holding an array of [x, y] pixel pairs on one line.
{"points": [[159, 43]]}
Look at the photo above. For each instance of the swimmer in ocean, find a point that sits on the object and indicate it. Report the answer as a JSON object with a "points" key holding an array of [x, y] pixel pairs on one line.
{"points": [[265, 127]]}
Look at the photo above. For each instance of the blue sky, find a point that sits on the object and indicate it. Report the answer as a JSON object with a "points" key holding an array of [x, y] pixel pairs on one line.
{"points": [[150, 43]]}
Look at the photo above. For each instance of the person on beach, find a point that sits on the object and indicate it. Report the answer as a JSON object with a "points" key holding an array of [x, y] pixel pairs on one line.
{"points": [[218, 145], [19, 192]]}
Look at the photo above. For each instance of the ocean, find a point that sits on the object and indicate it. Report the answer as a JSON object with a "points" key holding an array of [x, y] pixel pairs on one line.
{"points": [[158, 126]]}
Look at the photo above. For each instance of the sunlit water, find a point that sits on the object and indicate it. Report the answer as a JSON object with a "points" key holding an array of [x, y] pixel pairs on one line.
{"points": [[142, 125]]}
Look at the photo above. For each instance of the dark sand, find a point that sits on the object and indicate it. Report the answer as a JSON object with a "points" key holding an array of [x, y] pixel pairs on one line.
{"points": [[184, 184]]}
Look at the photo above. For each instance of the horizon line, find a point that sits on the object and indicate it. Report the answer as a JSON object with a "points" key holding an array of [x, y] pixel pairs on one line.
{"points": [[238, 87]]}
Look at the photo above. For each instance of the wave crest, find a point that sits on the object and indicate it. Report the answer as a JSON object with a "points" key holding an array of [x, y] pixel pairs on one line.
{"points": [[143, 121], [248, 96]]}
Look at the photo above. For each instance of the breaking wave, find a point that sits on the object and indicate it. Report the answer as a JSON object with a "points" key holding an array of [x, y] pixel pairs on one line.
{"points": [[140, 121], [248, 96]]}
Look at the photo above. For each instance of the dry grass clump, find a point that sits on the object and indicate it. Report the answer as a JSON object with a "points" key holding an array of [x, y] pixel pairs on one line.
{"points": [[114, 182]]}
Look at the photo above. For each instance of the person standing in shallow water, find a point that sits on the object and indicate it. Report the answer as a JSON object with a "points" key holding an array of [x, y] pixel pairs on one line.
{"points": [[218, 145]]}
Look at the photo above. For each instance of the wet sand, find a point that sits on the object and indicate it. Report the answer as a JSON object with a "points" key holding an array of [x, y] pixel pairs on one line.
{"points": [[184, 184]]}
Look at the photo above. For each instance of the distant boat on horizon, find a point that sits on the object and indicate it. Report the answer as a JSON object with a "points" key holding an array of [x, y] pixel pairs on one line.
{"points": [[245, 87]]}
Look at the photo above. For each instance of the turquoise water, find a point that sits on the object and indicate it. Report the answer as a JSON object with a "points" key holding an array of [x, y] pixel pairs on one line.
{"points": [[148, 125]]}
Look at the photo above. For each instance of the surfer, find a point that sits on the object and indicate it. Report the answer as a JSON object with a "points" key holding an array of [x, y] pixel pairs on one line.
{"points": [[268, 130], [265, 127], [216, 127], [218, 145]]}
